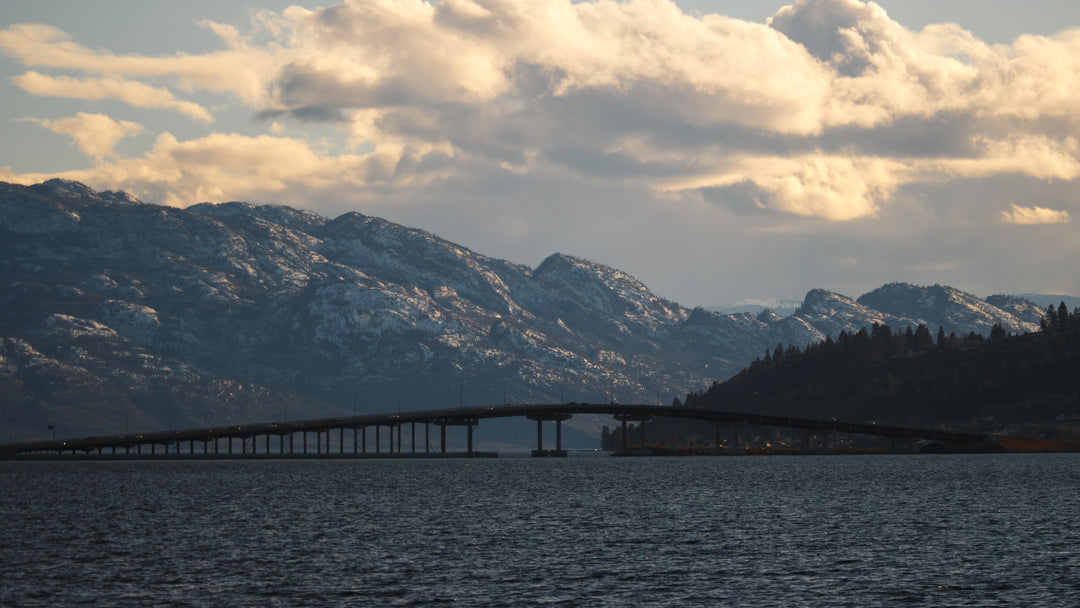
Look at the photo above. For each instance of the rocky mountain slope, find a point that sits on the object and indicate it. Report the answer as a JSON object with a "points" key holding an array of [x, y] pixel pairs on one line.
{"points": [[122, 314]]}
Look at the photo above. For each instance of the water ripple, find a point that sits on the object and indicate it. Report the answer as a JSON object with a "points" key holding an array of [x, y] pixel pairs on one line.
{"points": [[837, 531]]}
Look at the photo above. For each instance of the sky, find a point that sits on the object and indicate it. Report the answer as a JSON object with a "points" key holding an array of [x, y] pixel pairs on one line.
{"points": [[716, 150]]}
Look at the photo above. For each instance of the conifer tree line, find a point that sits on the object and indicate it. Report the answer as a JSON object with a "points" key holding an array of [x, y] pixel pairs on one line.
{"points": [[918, 378]]}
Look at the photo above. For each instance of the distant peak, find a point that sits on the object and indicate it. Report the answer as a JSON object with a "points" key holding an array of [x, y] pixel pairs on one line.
{"points": [[554, 262], [767, 316], [65, 186], [821, 295], [560, 262]]}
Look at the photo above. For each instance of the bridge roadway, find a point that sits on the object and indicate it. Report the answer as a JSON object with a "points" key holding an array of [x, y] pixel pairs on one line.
{"points": [[210, 439]]}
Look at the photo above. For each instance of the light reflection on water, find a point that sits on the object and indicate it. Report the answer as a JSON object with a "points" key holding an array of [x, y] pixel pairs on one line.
{"points": [[768, 531]]}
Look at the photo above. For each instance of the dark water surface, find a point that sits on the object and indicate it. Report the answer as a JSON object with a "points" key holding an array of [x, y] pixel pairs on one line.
{"points": [[988, 530]]}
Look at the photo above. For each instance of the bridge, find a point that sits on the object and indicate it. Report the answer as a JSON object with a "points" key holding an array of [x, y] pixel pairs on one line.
{"points": [[218, 442]]}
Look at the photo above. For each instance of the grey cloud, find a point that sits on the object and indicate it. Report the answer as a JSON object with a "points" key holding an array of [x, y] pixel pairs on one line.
{"points": [[817, 25], [948, 135]]}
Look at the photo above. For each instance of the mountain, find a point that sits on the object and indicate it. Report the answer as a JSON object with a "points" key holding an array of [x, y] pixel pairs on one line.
{"points": [[756, 306], [119, 314], [1043, 300], [1020, 385]]}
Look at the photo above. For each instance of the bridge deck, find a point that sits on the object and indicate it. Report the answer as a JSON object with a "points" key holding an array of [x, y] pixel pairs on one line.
{"points": [[470, 416]]}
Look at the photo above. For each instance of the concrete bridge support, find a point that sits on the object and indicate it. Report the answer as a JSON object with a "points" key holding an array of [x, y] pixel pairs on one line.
{"points": [[442, 423], [558, 418], [735, 445], [640, 419]]}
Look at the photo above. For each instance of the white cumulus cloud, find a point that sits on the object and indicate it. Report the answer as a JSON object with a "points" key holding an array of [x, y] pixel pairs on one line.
{"points": [[1034, 215], [95, 134]]}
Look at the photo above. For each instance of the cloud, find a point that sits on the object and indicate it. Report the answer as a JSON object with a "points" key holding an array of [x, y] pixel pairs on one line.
{"points": [[95, 134], [240, 71], [1028, 216], [222, 167], [133, 93], [829, 110]]}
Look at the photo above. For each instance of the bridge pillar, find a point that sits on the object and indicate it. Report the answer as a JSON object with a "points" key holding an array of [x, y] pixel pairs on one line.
{"points": [[399, 438], [640, 419], [377, 439], [442, 433], [558, 417], [341, 440], [363, 439], [470, 439], [412, 444], [427, 444], [354, 446], [230, 444]]}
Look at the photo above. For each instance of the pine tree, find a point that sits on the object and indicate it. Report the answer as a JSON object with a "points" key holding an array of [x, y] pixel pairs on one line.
{"points": [[997, 332], [1051, 318]]}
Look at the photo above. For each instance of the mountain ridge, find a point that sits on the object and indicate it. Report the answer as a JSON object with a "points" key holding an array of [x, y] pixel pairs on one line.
{"points": [[349, 313]]}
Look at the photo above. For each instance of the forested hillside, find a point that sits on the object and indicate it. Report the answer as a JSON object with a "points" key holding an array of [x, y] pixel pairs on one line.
{"points": [[1019, 384]]}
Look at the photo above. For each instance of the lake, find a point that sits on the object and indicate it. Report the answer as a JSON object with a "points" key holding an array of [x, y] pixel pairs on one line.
{"points": [[899, 530]]}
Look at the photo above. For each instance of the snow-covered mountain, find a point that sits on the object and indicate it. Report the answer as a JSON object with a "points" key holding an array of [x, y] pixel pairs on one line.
{"points": [[118, 313], [780, 306]]}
